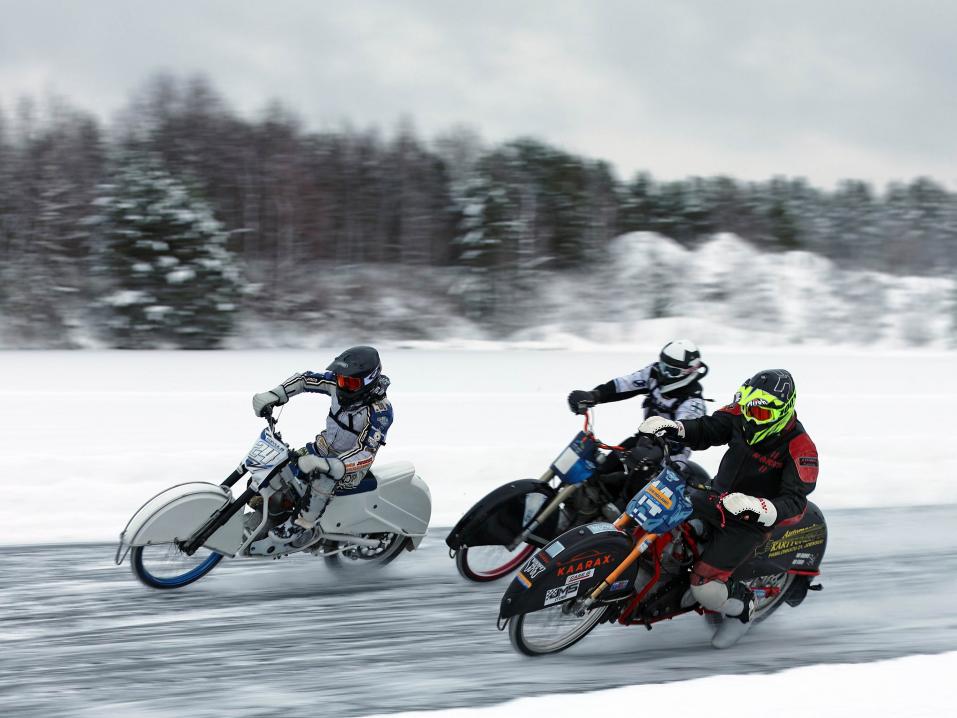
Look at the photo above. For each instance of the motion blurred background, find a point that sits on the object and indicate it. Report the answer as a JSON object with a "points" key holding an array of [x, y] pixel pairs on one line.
{"points": [[227, 175]]}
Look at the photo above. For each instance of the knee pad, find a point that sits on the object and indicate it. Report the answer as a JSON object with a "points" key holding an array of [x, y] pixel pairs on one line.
{"points": [[711, 594]]}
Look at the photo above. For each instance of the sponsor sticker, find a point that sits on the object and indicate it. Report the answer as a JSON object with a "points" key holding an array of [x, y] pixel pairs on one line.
{"points": [[580, 576], [555, 548], [562, 593], [618, 585], [808, 461], [601, 527], [533, 567]]}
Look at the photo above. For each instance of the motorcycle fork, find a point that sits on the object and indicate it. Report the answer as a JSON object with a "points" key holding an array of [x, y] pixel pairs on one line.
{"points": [[644, 541], [550, 508]]}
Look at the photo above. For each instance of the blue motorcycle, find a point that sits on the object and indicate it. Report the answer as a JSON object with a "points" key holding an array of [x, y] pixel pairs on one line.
{"points": [[503, 529]]}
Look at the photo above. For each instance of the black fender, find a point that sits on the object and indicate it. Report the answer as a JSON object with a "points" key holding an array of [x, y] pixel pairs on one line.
{"points": [[570, 567], [496, 520], [798, 547]]}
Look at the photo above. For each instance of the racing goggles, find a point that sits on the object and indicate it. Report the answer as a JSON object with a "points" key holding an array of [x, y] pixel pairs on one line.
{"points": [[349, 383], [673, 372], [760, 409]]}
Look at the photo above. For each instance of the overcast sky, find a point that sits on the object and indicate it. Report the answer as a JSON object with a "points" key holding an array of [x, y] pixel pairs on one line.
{"points": [[826, 90]]}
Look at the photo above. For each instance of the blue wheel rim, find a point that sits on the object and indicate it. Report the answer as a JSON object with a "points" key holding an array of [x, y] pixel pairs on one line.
{"points": [[182, 579]]}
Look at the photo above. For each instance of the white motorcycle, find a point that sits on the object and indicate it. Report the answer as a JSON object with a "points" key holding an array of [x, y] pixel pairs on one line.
{"points": [[181, 534]]}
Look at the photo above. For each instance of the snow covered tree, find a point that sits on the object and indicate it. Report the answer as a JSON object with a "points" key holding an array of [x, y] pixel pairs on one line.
{"points": [[171, 281]]}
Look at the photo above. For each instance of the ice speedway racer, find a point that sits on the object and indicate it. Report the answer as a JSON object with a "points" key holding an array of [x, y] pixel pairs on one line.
{"points": [[182, 533], [636, 570]]}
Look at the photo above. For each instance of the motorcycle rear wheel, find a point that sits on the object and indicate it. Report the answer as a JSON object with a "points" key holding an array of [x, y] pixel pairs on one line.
{"points": [[390, 546], [166, 566], [490, 563], [552, 629]]}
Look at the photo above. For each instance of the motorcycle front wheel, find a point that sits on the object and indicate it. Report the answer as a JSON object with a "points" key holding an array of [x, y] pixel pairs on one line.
{"points": [[166, 566], [552, 629], [489, 563]]}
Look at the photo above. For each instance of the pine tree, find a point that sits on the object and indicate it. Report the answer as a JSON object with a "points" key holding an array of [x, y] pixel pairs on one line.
{"points": [[171, 280]]}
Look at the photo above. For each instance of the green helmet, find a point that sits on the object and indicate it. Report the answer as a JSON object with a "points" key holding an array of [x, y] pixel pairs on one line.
{"points": [[766, 401]]}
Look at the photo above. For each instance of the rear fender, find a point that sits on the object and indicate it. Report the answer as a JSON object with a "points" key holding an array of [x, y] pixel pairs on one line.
{"points": [[570, 567], [179, 512], [400, 503], [798, 548], [500, 517]]}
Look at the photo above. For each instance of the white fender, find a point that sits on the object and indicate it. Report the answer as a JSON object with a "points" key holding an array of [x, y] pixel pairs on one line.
{"points": [[176, 513], [401, 503]]}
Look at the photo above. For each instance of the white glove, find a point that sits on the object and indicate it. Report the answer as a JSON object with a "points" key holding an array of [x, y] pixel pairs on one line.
{"points": [[268, 399], [330, 466], [763, 509], [660, 426]]}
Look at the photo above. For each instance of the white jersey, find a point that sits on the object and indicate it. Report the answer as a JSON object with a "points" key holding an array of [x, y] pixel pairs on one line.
{"points": [[353, 434], [681, 406]]}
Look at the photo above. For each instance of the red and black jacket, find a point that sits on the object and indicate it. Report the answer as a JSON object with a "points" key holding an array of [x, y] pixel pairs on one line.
{"points": [[782, 468]]}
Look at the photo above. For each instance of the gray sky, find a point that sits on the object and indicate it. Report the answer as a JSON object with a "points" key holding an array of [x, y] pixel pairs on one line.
{"points": [[752, 89]]}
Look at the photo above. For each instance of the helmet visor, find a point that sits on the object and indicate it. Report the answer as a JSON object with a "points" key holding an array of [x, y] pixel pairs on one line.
{"points": [[349, 383]]}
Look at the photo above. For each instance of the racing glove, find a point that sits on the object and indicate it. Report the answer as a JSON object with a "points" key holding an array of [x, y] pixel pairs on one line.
{"points": [[328, 465], [750, 508], [579, 401], [660, 426], [266, 400]]}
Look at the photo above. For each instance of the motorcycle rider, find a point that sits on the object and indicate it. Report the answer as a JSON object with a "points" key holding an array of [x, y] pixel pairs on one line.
{"points": [[359, 418], [671, 386], [770, 467]]}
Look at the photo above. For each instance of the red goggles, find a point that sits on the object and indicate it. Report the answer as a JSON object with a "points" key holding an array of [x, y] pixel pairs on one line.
{"points": [[759, 412], [349, 383]]}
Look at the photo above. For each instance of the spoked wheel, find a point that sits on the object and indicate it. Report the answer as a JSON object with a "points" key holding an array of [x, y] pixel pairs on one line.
{"points": [[769, 593], [488, 563], [389, 548], [552, 629], [166, 566]]}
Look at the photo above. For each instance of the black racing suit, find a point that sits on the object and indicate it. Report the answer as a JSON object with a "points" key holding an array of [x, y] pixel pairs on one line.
{"points": [[782, 468]]}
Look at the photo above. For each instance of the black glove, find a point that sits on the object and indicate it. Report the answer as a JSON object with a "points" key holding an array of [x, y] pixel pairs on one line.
{"points": [[579, 401]]}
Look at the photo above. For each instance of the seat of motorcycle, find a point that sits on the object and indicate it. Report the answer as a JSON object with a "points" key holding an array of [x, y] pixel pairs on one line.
{"points": [[385, 473]]}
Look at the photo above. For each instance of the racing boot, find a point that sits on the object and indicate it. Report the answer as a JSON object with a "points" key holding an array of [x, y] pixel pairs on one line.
{"points": [[299, 531], [738, 610]]}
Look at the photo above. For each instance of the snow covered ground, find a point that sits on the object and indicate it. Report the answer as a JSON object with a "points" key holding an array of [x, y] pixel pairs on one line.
{"points": [[87, 437], [912, 687]]}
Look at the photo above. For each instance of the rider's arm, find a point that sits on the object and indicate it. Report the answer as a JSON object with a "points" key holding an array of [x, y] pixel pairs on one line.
{"points": [[798, 479], [310, 381], [358, 458], [714, 430], [624, 387]]}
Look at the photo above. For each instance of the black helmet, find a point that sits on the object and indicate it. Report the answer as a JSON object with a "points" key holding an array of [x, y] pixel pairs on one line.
{"points": [[357, 372], [679, 364]]}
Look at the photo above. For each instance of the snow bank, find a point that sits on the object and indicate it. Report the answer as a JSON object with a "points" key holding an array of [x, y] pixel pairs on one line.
{"points": [[87, 437], [912, 687]]}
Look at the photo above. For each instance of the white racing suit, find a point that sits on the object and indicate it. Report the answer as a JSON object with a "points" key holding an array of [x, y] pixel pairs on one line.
{"points": [[353, 434], [684, 403]]}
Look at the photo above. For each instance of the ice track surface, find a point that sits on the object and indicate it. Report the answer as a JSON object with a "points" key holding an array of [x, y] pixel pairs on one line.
{"points": [[80, 637]]}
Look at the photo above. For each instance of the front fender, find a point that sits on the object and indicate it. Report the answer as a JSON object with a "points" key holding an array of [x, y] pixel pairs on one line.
{"points": [[499, 518], [570, 567]]}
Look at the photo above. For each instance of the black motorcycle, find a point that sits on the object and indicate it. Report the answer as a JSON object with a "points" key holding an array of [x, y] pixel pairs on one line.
{"points": [[588, 481]]}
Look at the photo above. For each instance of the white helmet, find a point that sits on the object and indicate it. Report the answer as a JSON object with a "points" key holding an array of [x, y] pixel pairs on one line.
{"points": [[679, 364]]}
